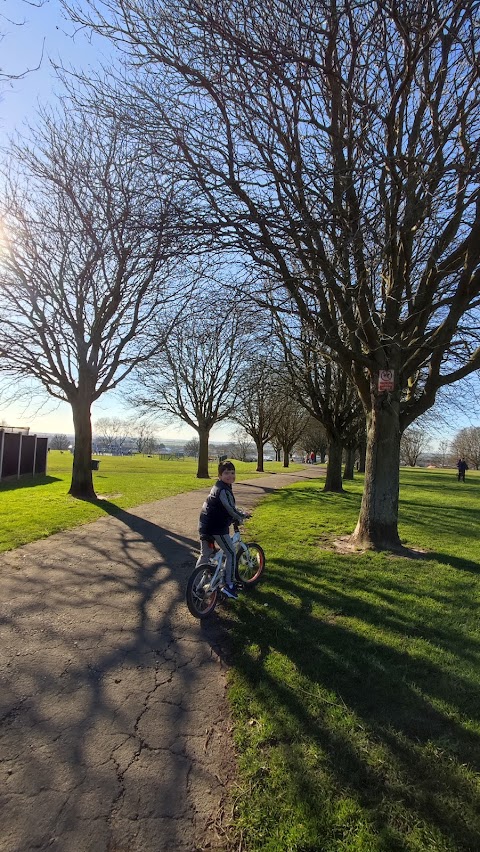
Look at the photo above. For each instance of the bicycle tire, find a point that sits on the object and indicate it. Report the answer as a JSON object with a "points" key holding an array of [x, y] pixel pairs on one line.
{"points": [[248, 572], [201, 603]]}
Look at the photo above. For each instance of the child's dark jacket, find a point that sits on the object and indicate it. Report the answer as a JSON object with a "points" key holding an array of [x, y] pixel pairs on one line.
{"points": [[218, 511]]}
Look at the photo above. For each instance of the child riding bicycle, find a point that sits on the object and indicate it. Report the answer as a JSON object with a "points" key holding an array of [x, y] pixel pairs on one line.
{"points": [[217, 514]]}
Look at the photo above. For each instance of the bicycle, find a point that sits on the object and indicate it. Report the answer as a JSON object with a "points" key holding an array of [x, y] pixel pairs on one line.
{"points": [[206, 581]]}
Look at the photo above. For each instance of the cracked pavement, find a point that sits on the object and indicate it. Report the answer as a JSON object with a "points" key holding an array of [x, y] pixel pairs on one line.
{"points": [[115, 733]]}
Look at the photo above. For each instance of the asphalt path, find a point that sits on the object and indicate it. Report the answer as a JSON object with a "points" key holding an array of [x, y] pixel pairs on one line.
{"points": [[115, 733]]}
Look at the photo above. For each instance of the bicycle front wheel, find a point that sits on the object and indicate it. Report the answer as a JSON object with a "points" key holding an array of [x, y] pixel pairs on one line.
{"points": [[250, 565], [201, 600]]}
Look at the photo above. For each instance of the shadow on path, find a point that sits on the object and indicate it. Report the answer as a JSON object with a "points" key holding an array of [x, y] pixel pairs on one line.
{"points": [[113, 720], [100, 692]]}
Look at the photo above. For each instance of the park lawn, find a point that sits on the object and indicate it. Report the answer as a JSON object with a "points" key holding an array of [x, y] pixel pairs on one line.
{"points": [[355, 685], [35, 507]]}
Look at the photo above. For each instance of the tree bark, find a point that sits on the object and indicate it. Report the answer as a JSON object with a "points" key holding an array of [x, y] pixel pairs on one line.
{"points": [[333, 479], [259, 447], [203, 436], [286, 456], [349, 463], [362, 450], [377, 523], [82, 482]]}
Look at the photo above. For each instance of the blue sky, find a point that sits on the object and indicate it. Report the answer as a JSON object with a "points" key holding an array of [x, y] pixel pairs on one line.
{"points": [[33, 36]]}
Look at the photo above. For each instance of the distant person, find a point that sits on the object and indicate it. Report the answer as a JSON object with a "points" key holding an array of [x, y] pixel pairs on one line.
{"points": [[312, 458], [462, 466], [218, 512]]}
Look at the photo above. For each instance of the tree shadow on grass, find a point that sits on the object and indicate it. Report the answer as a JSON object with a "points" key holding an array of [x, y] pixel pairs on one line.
{"points": [[456, 562], [409, 508], [368, 685]]}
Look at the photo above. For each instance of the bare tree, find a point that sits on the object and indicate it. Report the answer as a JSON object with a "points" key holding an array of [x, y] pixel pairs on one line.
{"points": [[326, 392], [337, 145], [151, 445], [111, 434], [277, 446], [90, 241], [258, 412], [314, 438], [192, 448], [193, 379], [144, 436], [241, 444], [466, 444], [291, 422], [444, 452], [59, 442], [413, 443]]}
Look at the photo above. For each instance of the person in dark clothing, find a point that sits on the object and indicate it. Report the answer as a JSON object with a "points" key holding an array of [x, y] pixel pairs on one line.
{"points": [[217, 513], [462, 466]]}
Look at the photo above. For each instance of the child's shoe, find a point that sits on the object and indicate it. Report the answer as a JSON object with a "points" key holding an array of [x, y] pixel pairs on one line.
{"points": [[230, 592]]}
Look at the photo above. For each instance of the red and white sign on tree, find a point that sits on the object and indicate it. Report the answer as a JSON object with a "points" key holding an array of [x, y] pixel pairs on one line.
{"points": [[386, 380]]}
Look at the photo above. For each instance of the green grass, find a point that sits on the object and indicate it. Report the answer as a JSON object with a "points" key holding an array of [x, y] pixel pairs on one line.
{"points": [[356, 679], [35, 507]]}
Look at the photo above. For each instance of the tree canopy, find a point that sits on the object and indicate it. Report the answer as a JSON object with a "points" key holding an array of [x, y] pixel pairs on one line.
{"points": [[91, 244], [336, 146]]}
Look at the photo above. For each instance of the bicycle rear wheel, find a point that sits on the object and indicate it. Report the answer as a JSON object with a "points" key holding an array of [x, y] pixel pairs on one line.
{"points": [[250, 564], [201, 600]]}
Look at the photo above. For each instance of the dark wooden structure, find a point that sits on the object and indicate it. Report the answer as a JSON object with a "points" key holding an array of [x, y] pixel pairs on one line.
{"points": [[21, 454]]}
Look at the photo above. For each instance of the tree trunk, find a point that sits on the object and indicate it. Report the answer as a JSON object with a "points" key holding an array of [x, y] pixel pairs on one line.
{"points": [[378, 520], [259, 447], [82, 482], [333, 479], [286, 456], [349, 463], [362, 450], [203, 436]]}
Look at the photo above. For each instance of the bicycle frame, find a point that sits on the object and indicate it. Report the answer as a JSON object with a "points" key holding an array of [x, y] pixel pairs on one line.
{"points": [[207, 580], [218, 560]]}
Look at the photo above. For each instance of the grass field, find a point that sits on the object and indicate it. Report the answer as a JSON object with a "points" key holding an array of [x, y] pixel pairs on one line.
{"points": [[355, 684], [35, 507], [356, 680]]}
